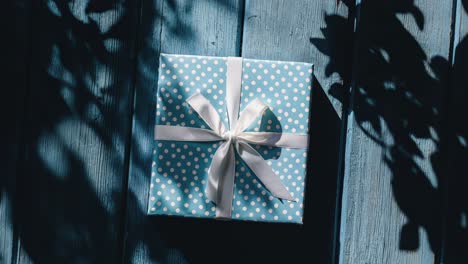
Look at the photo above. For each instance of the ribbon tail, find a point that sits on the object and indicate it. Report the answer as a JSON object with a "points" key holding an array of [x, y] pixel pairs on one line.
{"points": [[263, 172], [220, 188]]}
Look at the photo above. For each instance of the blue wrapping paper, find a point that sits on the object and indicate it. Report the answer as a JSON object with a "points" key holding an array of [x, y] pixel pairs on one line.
{"points": [[179, 169]]}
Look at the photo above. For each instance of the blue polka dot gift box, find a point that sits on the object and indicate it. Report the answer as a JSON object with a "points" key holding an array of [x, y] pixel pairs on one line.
{"points": [[230, 138]]}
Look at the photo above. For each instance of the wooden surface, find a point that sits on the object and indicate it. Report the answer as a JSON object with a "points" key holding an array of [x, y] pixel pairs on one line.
{"points": [[392, 191], [72, 192], [172, 27], [301, 38], [387, 175]]}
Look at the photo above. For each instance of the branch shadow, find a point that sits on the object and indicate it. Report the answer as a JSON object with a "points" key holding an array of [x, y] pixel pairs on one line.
{"points": [[76, 77], [457, 140], [75, 112], [399, 103], [68, 140]]}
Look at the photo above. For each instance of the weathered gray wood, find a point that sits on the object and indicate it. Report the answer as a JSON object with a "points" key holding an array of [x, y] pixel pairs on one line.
{"points": [[71, 196], [312, 31], [392, 188], [14, 61], [316, 32], [183, 27], [456, 222]]}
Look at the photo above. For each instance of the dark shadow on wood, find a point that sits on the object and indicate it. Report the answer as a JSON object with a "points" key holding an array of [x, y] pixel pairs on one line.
{"points": [[14, 82], [456, 224], [71, 185], [398, 102]]}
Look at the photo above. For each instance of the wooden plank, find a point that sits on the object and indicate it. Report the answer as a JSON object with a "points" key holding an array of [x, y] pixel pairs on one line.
{"points": [[308, 31], [79, 117], [14, 59], [456, 241], [392, 188], [183, 27], [289, 37]]}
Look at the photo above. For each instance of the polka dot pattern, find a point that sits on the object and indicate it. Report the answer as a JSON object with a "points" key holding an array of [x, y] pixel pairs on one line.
{"points": [[179, 169]]}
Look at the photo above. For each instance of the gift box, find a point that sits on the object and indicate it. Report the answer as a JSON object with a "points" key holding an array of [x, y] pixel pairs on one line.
{"points": [[231, 138]]}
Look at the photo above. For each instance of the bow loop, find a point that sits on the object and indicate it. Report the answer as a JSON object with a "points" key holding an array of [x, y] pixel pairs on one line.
{"points": [[251, 112], [207, 112]]}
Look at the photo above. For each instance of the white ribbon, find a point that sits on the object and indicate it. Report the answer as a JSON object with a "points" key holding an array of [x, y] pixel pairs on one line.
{"points": [[222, 169]]}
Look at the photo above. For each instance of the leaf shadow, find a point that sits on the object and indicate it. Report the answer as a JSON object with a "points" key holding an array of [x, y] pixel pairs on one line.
{"points": [[72, 80], [399, 102]]}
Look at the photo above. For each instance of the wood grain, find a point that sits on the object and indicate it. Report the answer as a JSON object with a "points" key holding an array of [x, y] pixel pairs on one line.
{"points": [[308, 31], [182, 27], [303, 31], [71, 195], [392, 188], [78, 107], [14, 61]]}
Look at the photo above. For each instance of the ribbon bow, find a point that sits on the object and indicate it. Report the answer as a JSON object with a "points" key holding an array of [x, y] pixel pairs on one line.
{"points": [[221, 173]]}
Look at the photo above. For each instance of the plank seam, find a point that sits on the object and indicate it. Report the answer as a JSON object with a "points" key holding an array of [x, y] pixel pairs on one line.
{"points": [[161, 24], [338, 253], [128, 144], [241, 27], [20, 168], [445, 122], [348, 82]]}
